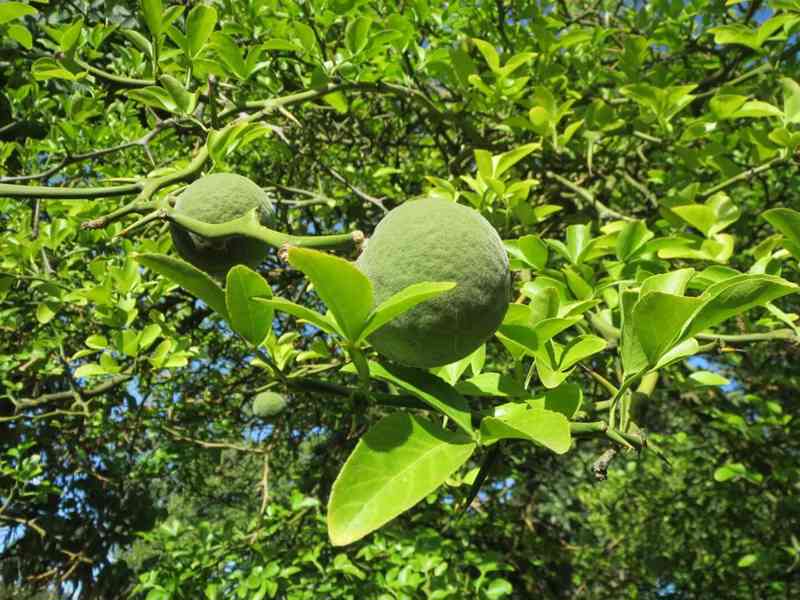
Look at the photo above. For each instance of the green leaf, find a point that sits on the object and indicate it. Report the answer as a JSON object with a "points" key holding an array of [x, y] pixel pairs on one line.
{"points": [[756, 109], [724, 106], [397, 463], [21, 35], [356, 34], [747, 560], [632, 237], [340, 284], [674, 282], [338, 101], [489, 54], [708, 378], [188, 277], [634, 359], [729, 471], [528, 250], [47, 68], [659, 319], [491, 385], [10, 11], [97, 342], [712, 217], [791, 100], [89, 370], [735, 296], [251, 319], [578, 240], [503, 162], [183, 100], [152, 10], [44, 314], [429, 388], [301, 312], [580, 348], [230, 54], [401, 302], [787, 221], [71, 36], [154, 96], [545, 427], [565, 399], [200, 24]]}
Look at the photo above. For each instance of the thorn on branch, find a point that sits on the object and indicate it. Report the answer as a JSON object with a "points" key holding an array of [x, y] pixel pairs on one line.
{"points": [[600, 466]]}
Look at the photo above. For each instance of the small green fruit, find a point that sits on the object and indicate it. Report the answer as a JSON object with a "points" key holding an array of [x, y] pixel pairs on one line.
{"points": [[268, 404], [437, 240], [219, 198]]}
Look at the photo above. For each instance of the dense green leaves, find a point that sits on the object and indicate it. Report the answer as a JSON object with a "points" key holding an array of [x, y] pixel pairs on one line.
{"points": [[343, 288]]}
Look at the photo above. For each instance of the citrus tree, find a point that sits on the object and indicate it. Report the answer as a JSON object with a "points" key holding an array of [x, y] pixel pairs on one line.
{"points": [[338, 297]]}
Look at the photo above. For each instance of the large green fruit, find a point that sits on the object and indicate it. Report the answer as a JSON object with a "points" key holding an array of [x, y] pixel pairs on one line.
{"points": [[268, 404], [215, 199], [437, 240]]}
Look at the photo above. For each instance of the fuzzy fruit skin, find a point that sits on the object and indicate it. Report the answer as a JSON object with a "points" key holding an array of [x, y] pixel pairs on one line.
{"points": [[268, 404], [218, 198], [437, 240]]}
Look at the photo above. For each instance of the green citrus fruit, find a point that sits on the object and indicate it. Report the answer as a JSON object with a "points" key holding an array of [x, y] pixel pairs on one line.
{"points": [[268, 404], [437, 240], [215, 199]]}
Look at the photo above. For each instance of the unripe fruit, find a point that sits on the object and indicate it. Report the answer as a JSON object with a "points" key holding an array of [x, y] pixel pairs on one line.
{"points": [[437, 240], [219, 198], [268, 404]]}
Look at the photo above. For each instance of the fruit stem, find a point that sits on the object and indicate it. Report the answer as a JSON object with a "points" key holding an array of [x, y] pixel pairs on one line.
{"points": [[249, 226]]}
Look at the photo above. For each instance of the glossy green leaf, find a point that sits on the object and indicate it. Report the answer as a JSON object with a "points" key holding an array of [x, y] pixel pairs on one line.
{"points": [[188, 277], [200, 24], [401, 302], [71, 36], [10, 11], [429, 388], [21, 35], [491, 385], [787, 221], [712, 217], [152, 10], [659, 320], [230, 54], [528, 251], [357, 34], [632, 237], [729, 471], [250, 319], [578, 239], [565, 399], [489, 53], [791, 100], [503, 162], [708, 378], [735, 296], [634, 359], [301, 312], [397, 463], [674, 282], [183, 100], [340, 284], [545, 427]]}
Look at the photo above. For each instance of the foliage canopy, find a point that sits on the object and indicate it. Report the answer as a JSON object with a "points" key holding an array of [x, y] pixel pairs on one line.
{"points": [[638, 160]]}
